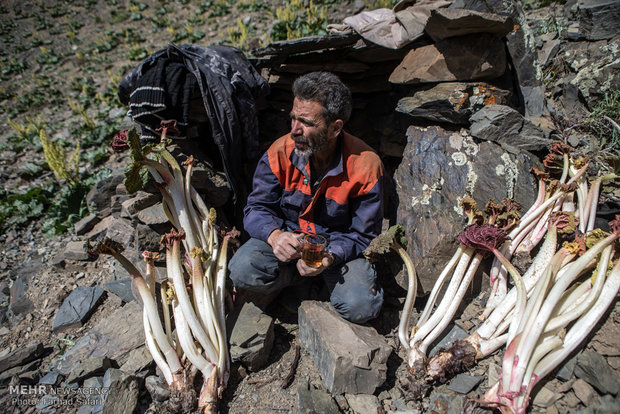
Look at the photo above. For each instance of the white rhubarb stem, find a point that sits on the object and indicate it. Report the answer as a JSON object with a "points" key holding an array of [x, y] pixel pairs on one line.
{"points": [[582, 327], [569, 315], [531, 336], [453, 305], [412, 286], [173, 256], [432, 298], [154, 350], [424, 329]]}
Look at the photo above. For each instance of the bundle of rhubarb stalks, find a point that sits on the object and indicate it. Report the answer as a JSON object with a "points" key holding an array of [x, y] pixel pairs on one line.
{"points": [[539, 315], [188, 336]]}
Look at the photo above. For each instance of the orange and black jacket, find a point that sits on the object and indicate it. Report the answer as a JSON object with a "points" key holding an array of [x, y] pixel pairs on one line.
{"points": [[346, 208]]}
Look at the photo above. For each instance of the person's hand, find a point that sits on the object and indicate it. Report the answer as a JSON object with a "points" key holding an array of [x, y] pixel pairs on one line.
{"points": [[309, 271], [286, 245]]}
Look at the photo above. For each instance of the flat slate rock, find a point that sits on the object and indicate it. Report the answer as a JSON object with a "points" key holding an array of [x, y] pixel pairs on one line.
{"points": [[505, 126], [447, 22], [310, 400], [307, 44], [466, 58], [351, 358], [251, 336], [593, 368], [21, 356], [78, 307], [121, 288], [464, 383], [114, 337], [451, 102]]}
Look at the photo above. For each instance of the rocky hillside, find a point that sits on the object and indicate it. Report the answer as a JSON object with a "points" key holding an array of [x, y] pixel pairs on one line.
{"points": [[448, 117]]}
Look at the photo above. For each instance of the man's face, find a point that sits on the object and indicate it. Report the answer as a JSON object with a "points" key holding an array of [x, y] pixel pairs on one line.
{"points": [[308, 128]]}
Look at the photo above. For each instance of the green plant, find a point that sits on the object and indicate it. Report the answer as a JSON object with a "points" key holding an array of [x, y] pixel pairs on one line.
{"points": [[603, 121], [79, 109], [63, 343], [239, 36], [380, 4], [295, 20], [17, 209], [64, 166], [137, 53]]}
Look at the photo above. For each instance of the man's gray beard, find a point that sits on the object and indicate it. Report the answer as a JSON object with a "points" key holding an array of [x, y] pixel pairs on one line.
{"points": [[307, 153]]}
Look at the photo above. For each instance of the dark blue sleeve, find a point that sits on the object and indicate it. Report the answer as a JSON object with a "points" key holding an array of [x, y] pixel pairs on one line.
{"points": [[262, 214], [366, 221]]}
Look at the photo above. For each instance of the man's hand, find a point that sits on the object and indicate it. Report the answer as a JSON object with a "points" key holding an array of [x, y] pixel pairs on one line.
{"points": [[309, 271], [286, 245]]}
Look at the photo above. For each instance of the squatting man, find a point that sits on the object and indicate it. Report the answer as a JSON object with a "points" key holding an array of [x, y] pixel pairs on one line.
{"points": [[317, 179]]}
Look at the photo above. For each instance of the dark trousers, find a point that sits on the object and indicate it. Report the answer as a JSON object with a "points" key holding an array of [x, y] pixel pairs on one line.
{"points": [[352, 286]]}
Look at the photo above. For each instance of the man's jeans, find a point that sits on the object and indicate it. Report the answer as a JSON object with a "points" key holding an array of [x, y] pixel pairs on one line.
{"points": [[353, 291]]}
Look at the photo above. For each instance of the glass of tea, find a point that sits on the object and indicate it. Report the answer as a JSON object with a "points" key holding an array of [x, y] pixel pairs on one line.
{"points": [[312, 250]]}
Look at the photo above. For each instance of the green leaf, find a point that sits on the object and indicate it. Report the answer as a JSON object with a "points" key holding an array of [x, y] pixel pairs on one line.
{"points": [[133, 178]]}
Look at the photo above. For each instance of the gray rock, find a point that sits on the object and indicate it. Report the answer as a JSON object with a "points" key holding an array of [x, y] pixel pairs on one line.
{"points": [[27, 372], [153, 215], [521, 44], [544, 397], [493, 374], [139, 201], [451, 102], [116, 202], [46, 404], [212, 185], [505, 126], [448, 337], [115, 228], [93, 382], [584, 391], [77, 307], [599, 19], [21, 356], [310, 400], [148, 237], [51, 378], [549, 49], [466, 58], [363, 403], [464, 383], [86, 224], [19, 304], [446, 22], [251, 336], [121, 288], [138, 361], [565, 373], [90, 367], [122, 392], [593, 368], [85, 409], [605, 405], [99, 196], [76, 250], [440, 168], [351, 358], [597, 67], [157, 388], [114, 337], [446, 401]]}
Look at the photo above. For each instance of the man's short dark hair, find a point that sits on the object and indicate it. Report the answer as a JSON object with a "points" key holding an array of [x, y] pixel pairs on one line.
{"points": [[328, 90]]}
